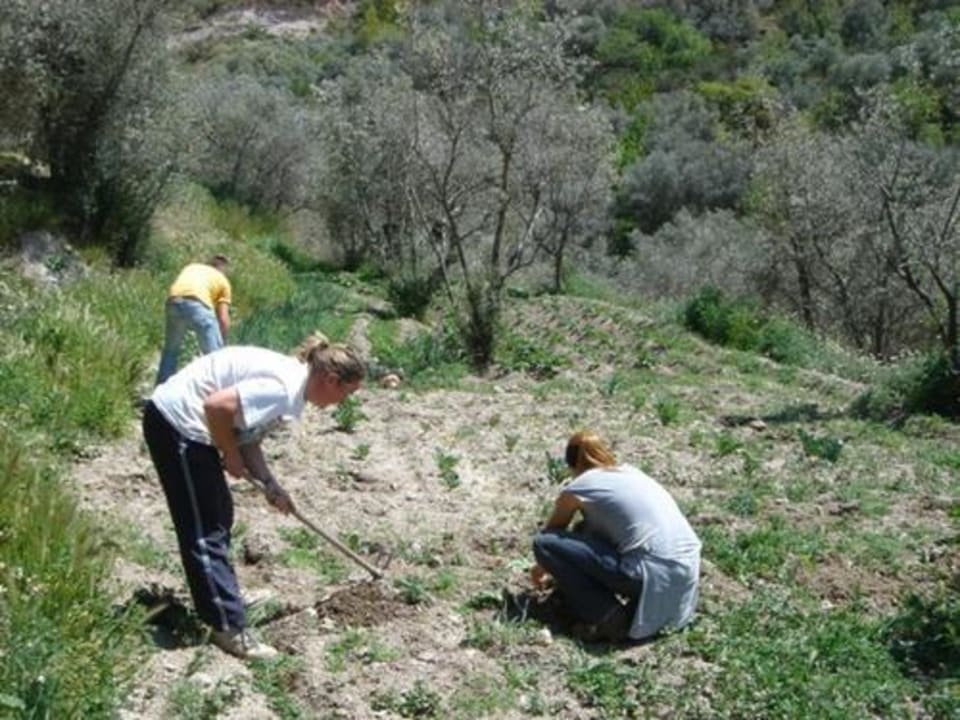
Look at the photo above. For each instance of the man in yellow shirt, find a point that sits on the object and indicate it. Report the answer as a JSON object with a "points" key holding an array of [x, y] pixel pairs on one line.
{"points": [[198, 300]]}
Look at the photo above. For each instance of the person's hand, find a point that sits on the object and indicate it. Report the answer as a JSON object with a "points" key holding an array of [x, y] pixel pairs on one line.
{"points": [[278, 497], [539, 577], [233, 464]]}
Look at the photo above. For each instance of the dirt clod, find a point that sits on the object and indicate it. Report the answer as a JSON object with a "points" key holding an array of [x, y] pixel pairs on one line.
{"points": [[364, 604]]}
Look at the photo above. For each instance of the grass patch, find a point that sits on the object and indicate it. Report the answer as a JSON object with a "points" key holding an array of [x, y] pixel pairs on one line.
{"points": [[783, 657], [66, 650], [304, 550], [771, 551]]}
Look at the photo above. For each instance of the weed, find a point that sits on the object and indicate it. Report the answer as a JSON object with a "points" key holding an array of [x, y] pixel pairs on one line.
{"points": [[188, 699], [305, 551], [557, 470], [609, 686], [511, 440], [274, 678], [361, 452], [413, 590], [357, 645], [827, 448], [668, 411], [348, 414], [447, 467], [417, 702], [770, 551], [726, 443]]}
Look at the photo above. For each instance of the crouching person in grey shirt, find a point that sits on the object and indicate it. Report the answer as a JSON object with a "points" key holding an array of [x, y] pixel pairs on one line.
{"points": [[632, 567]]}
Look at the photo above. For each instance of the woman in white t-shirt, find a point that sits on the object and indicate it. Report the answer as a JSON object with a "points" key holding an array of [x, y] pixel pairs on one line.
{"points": [[632, 567], [209, 418]]}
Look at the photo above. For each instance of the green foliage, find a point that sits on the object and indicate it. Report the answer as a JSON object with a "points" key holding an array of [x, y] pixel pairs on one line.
{"points": [[786, 657], [427, 359], [741, 324], [24, 211], [358, 645], [188, 699], [306, 551], [825, 447], [770, 551], [520, 354], [917, 384], [316, 304], [348, 414], [274, 678], [924, 636], [56, 344], [411, 296], [417, 702], [67, 652], [668, 410], [447, 467], [745, 105], [557, 470], [413, 590], [643, 44], [609, 686]]}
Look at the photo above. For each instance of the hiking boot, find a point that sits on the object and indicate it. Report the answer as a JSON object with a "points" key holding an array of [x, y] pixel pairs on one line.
{"points": [[613, 627], [242, 644]]}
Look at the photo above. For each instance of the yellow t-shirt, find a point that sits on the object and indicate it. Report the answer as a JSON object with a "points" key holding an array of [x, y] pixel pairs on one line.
{"points": [[201, 282]]}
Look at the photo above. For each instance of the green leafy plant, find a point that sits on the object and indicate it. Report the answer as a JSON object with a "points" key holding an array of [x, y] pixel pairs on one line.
{"points": [[826, 447], [413, 590], [557, 470], [361, 451], [348, 414], [447, 466], [417, 702], [668, 410]]}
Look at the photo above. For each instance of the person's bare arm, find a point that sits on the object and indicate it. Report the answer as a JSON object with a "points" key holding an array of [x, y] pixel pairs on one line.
{"points": [[223, 318], [564, 508], [220, 409], [256, 465], [563, 511]]}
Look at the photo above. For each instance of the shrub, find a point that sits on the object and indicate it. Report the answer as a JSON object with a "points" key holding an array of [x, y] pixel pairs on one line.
{"points": [[919, 383]]}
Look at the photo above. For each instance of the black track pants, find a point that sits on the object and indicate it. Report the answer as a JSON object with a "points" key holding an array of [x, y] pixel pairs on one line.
{"points": [[202, 511]]}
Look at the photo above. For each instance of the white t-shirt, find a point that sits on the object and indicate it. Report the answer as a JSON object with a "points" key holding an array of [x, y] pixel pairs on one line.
{"points": [[270, 386], [635, 514]]}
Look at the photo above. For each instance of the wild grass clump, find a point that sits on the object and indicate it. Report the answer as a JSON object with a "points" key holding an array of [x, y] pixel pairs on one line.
{"points": [[73, 358], [782, 656], [282, 325], [66, 651]]}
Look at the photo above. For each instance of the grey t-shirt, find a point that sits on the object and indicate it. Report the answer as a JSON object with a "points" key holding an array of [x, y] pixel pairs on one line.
{"points": [[270, 387], [634, 513]]}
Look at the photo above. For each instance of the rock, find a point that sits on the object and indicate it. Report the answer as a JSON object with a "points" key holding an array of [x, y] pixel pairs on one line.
{"points": [[390, 381]]}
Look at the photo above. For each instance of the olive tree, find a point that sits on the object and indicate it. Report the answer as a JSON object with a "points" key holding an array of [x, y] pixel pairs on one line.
{"points": [[831, 270], [87, 94], [492, 93], [252, 142], [917, 191], [461, 161]]}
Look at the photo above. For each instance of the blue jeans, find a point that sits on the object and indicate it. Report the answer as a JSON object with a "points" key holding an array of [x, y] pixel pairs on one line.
{"points": [[586, 571], [187, 314]]}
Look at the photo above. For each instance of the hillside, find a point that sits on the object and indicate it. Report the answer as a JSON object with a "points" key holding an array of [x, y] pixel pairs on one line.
{"points": [[807, 559]]}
